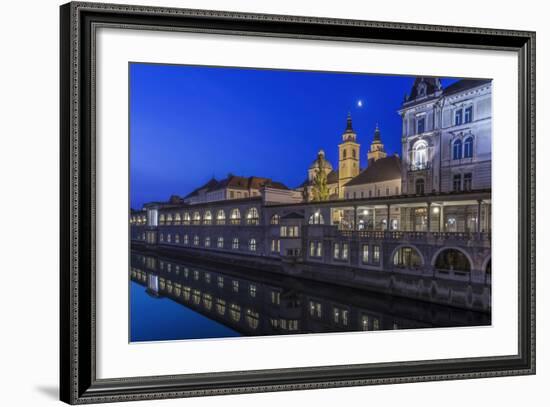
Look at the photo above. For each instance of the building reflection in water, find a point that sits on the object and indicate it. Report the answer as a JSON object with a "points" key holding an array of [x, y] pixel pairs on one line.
{"points": [[255, 303]]}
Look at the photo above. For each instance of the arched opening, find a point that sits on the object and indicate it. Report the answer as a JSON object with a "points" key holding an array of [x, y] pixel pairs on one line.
{"points": [[252, 245], [316, 218], [208, 218], [186, 218], [235, 217], [452, 260], [252, 217], [220, 217], [275, 219], [407, 257], [196, 218], [420, 155]]}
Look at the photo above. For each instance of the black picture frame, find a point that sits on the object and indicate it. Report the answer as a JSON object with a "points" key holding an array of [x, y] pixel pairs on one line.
{"points": [[78, 382]]}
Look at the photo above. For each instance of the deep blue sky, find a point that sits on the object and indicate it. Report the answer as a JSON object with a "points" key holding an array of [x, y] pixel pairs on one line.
{"points": [[189, 123]]}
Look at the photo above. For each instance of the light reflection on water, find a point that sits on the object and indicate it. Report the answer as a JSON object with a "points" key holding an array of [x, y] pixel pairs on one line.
{"points": [[171, 299]]}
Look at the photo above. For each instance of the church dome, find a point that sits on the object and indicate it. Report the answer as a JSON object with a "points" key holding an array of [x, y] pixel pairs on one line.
{"points": [[316, 164]]}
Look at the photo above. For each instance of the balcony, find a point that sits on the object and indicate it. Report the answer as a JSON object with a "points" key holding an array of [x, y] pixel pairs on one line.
{"points": [[419, 166]]}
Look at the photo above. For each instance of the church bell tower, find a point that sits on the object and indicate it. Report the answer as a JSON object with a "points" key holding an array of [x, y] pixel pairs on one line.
{"points": [[348, 159], [376, 148]]}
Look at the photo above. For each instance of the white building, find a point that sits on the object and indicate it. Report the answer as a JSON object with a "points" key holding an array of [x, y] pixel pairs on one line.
{"points": [[446, 136]]}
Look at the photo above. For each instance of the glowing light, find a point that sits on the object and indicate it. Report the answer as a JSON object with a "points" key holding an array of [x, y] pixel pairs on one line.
{"points": [[359, 103], [436, 210]]}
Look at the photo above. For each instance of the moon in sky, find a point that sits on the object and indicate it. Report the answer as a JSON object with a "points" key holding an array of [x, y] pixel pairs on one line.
{"points": [[359, 103]]}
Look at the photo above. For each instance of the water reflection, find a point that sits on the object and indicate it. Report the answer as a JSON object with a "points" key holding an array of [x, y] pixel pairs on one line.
{"points": [[229, 302]]}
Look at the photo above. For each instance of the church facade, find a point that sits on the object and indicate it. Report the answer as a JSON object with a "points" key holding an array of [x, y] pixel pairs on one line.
{"points": [[381, 177]]}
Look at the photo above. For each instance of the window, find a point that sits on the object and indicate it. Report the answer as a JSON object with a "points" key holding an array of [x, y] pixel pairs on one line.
{"points": [[420, 155], [457, 180], [469, 147], [235, 217], [275, 245], [275, 219], [207, 242], [316, 218], [169, 219], [231, 194], [220, 242], [252, 290], [365, 323], [336, 252], [177, 237], [177, 219], [236, 286], [353, 153], [208, 218], [420, 125], [365, 253], [220, 217], [458, 117], [252, 245], [457, 150], [315, 309], [196, 240], [252, 217], [161, 237], [275, 297], [419, 186], [235, 244], [186, 218], [312, 249], [468, 114], [376, 254], [185, 239], [345, 153], [396, 190], [344, 251], [289, 231], [169, 238], [315, 249], [162, 219], [220, 282], [467, 182], [196, 218], [319, 251]]}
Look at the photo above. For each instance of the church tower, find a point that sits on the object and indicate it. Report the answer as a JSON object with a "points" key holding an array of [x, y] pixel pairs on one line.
{"points": [[348, 159], [376, 148]]}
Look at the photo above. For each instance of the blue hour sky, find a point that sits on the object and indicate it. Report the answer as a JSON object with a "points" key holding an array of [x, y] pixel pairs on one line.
{"points": [[190, 123]]}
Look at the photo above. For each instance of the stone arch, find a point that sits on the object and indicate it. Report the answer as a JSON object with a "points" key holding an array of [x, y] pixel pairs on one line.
{"points": [[461, 254], [412, 246], [486, 267]]}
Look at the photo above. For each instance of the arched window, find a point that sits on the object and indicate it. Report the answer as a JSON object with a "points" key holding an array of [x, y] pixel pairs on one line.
{"points": [[469, 147], [208, 218], [457, 150], [345, 153], [316, 218], [252, 245], [186, 218], [169, 219], [252, 217], [220, 217], [275, 219], [452, 260], [196, 218], [419, 186], [177, 219], [420, 155], [353, 153], [235, 217], [407, 257], [162, 219]]}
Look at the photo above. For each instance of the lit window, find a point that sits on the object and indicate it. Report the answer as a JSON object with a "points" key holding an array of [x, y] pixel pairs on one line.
{"points": [[196, 240], [235, 285], [275, 219], [319, 252], [207, 242], [376, 254], [186, 218], [365, 253], [252, 217], [344, 251], [235, 243], [420, 155], [196, 218], [252, 245], [252, 290], [235, 217], [208, 218], [220, 217], [220, 242], [336, 253], [316, 218]]}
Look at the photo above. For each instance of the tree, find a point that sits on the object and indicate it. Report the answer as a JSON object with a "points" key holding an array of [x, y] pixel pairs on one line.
{"points": [[321, 191]]}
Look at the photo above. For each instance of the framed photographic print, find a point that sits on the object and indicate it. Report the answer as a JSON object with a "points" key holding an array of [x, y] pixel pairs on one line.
{"points": [[255, 203]]}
